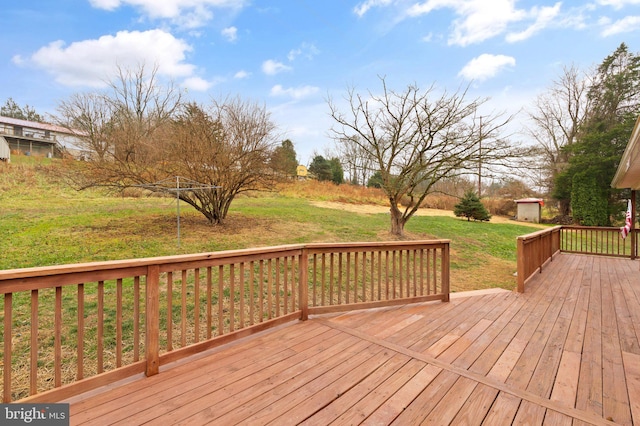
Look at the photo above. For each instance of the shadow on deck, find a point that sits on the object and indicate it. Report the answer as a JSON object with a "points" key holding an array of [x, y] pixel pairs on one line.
{"points": [[564, 352]]}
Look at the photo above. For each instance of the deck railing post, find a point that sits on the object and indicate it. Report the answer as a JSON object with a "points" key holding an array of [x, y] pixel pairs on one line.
{"points": [[445, 272], [152, 323], [521, 265], [303, 284]]}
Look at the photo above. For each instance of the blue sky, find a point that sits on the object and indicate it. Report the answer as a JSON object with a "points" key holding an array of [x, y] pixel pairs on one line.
{"points": [[293, 55]]}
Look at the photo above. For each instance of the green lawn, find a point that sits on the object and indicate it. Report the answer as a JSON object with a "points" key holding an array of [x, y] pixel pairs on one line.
{"points": [[46, 222]]}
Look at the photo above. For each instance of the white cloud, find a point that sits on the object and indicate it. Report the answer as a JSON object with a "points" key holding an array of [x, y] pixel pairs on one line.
{"points": [[18, 60], [625, 25], [306, 50], [364, 7], [197, 84], [295, 93], [231, 33], [486, 66], [91, 62], [618, 4], [479, 20], [271, 67], [241, 74], [185, 13], [544, 16]]}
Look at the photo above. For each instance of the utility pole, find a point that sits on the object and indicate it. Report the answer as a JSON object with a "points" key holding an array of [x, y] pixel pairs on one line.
{"points": [[480, 162]]}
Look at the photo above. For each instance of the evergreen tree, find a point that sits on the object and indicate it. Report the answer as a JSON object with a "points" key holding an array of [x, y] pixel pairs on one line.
{"points": [[615, 105], [284, 159], [471, 207], [337, 172], [321, 168], [13, 110], [375, 181]]}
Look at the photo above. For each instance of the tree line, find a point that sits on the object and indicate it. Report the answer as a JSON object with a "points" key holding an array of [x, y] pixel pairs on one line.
{"points": [[582, 124]]}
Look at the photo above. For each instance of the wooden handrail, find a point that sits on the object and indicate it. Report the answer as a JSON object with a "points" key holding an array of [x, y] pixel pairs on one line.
{"points": [[102, 322], [533, 251]]}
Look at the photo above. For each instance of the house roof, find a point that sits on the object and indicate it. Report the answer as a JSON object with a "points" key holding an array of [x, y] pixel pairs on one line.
{"points": [[35, 125], [628, 173]]}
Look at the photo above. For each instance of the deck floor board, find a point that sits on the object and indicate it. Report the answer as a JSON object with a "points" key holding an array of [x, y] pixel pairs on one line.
{"points": [[564, 352]]}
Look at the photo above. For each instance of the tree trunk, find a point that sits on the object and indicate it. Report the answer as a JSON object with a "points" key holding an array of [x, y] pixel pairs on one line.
{"points": [[397, 221]]}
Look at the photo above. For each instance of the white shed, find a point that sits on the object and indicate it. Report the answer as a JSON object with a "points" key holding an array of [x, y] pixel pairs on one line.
{"points": [[5, 151], [529, 209]]}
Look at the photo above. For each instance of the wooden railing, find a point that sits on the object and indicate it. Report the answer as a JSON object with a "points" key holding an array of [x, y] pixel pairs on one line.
{"points": [[606, 241], [535, 249], [68, 329]]}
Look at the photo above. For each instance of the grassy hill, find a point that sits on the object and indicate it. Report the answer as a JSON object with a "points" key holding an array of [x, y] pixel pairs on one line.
{"points": [[43, 221]]}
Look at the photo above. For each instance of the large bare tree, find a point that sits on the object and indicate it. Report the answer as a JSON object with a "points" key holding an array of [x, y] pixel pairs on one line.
{"points": [[142, 134], [417, 138], [227, 147], [556, 118]]}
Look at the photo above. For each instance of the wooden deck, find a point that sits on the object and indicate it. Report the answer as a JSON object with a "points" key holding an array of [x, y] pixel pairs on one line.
{"points": [[565, 352]]}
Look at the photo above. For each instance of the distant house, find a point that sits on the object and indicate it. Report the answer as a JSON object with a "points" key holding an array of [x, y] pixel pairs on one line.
{"points": [[33, 138]]}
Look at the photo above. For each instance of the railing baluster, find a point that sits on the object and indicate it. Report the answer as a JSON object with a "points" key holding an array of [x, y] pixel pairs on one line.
{"points": [[347, 290], [119, 322], [33, 383], [295, 284], [435, 271], [339, 278], [241, 283], [331, 278], [100, 345], [7, 336], [169, 311], [196, 305], [183, 310], [80, 338], [314, 280], [251, 293], [136, 318], [356, 278], [232, 297], [277, 284], [372, 275], [269, 288], [220, 300], [57, 363], [262, 298], [209, 302], [394, 258], [379, 274], [386, 274], [285, 280]]}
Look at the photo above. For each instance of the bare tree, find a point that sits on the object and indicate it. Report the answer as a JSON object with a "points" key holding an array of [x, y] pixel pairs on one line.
{"points": [[359, 165], [89, 112], [142, 134], [227, 148], [416, 141], [556, 118]]}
